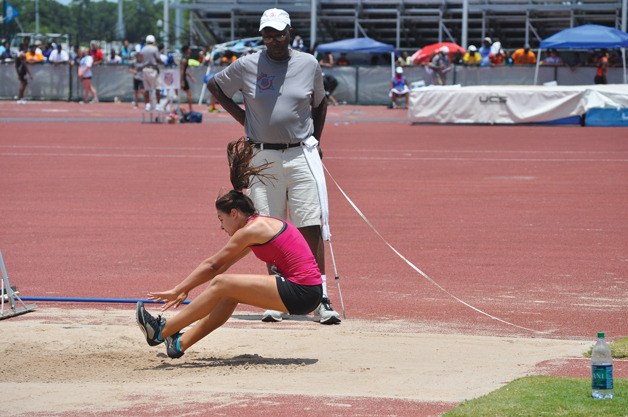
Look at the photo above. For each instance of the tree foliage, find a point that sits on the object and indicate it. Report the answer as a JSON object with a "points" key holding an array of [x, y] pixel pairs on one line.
{"points": [[85, 20]]}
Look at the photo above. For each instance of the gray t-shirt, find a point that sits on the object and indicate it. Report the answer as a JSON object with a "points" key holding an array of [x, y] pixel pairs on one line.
{"points": [[278, 95], [150, 56]]}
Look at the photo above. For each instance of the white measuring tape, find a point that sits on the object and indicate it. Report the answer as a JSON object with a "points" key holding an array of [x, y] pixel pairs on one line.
{"points": [[417, 269]]}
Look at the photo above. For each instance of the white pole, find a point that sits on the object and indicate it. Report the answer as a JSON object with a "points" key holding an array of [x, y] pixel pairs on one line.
{"points": [[313, 20], [465, 24], [166, 27], [536, 69], [36, 16], [120, 26], [177, 25]]}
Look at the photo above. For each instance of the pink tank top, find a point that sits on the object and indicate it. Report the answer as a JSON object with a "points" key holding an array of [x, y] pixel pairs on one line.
{"points": [[292, 256]]}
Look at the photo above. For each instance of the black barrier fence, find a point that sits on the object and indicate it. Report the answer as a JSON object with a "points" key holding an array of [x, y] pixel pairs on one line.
{"points": [[356, 84]]}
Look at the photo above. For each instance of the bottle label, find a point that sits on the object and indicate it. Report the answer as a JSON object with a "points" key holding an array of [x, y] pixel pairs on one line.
{"points": [[602, 376]]}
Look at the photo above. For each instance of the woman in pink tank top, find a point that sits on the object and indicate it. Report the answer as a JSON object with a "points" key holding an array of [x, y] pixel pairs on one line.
{"points": [[296, 288]]}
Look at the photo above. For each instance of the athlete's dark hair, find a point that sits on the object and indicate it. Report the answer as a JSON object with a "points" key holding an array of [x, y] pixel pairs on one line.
{"points": [[239, 154]]}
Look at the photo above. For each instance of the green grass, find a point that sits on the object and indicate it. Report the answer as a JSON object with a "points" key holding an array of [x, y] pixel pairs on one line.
{"points": [[540, 396], [619, 348], [548, 396]]}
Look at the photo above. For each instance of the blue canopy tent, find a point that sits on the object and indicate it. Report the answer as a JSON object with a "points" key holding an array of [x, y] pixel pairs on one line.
{"points": [[586, 37], [364, 45]]}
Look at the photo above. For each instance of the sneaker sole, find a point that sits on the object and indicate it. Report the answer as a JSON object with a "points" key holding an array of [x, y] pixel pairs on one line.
{"points": [[271, 319], [139, 317], [331, 320]]}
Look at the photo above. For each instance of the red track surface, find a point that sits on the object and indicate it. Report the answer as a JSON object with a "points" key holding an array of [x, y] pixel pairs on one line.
{"points": [[525, 223]]}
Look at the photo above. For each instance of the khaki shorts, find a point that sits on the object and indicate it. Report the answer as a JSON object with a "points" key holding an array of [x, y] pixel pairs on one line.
{"points": [[291, 192], [150, 79]]}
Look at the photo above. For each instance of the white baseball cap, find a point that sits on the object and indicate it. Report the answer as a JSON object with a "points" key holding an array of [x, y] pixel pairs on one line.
{"points": [[274, 18], [472, 48], [150, 39], [399, 70], [444, 50]]}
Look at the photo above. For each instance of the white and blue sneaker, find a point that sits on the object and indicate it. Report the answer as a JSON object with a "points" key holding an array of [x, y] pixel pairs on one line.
{"points": [[173, 348], [149, 325]]}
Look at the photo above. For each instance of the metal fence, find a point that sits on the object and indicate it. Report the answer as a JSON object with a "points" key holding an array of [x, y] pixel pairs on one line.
{"points": [[356, 84]]}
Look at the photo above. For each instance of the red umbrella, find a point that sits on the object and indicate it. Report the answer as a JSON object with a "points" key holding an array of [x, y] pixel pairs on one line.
{"points": [[422, 56]]}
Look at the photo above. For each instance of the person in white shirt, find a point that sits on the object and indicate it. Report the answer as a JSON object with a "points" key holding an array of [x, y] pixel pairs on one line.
{"points": [[85, 75], [59, 73], [59, 56]]}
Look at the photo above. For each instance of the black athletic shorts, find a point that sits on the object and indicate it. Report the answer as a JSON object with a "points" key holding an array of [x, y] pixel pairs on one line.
{"points": [[186, 85], [299, 299], [137, 85]]}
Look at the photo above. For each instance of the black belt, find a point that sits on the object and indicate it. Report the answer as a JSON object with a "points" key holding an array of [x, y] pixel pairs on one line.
{"points": [[275, 146]]}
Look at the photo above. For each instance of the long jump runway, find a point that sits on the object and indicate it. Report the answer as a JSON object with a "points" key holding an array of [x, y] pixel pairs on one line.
{"points": [[473, 238]]}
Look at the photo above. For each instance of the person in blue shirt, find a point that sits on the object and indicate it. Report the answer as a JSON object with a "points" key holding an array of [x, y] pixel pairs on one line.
{"points": [[399, 88]]}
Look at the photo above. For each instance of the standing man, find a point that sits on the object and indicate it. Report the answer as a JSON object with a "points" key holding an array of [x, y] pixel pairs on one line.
{"points": [[185, 84], [602, 68], [21, 67], [439, 65], [284, 108], [150, 73]]}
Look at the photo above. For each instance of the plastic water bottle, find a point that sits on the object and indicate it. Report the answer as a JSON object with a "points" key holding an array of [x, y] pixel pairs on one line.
{"points": [[601, 369]]}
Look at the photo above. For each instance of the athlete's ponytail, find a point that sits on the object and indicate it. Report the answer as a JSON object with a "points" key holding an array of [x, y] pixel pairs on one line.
{"points": [[240, 154]]}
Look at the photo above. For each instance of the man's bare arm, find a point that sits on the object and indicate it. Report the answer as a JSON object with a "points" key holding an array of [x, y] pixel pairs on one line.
{"points": [[227, 103], [318, 117]]}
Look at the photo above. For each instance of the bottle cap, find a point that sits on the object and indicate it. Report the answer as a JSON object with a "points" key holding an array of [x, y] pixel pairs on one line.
{"points": [[600, 335]]}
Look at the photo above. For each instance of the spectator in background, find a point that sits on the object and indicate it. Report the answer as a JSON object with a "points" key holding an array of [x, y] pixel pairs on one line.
{"points": [[399, 87], [126, 52], [38, 47], [523, 56], [228, 58], [327, 60], [329, 84], [59, 56], [5, 51], [74, 53], [150, 73], [138, 85], [497, 56], [96, 53], [404, 60], [58, 76], [114, 58], [185, 84], [602, 68], [552, 58], [86, 62], [343, 61], [297, 44], [614, 58], [439, 66], [456, 58], [48, 50], [34, 57], [485, 51], [472, 57], [21, 67]]}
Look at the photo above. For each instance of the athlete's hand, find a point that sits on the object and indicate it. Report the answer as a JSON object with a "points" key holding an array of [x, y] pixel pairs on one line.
{"points": [[171, 298]]}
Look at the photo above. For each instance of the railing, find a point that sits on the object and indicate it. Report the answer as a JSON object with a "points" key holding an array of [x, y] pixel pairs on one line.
{"points": [[356, 84]]}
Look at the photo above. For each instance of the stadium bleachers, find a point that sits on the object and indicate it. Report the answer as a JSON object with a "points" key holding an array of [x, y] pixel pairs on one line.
{"points": [[409, 24]]}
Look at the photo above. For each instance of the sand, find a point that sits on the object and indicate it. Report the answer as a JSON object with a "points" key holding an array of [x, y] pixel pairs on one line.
{"points": [[68, 360]]}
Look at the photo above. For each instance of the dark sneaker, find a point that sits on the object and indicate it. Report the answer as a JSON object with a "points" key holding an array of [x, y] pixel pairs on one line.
{"points": [[325, 313], [172, 346], [150, 326]]}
